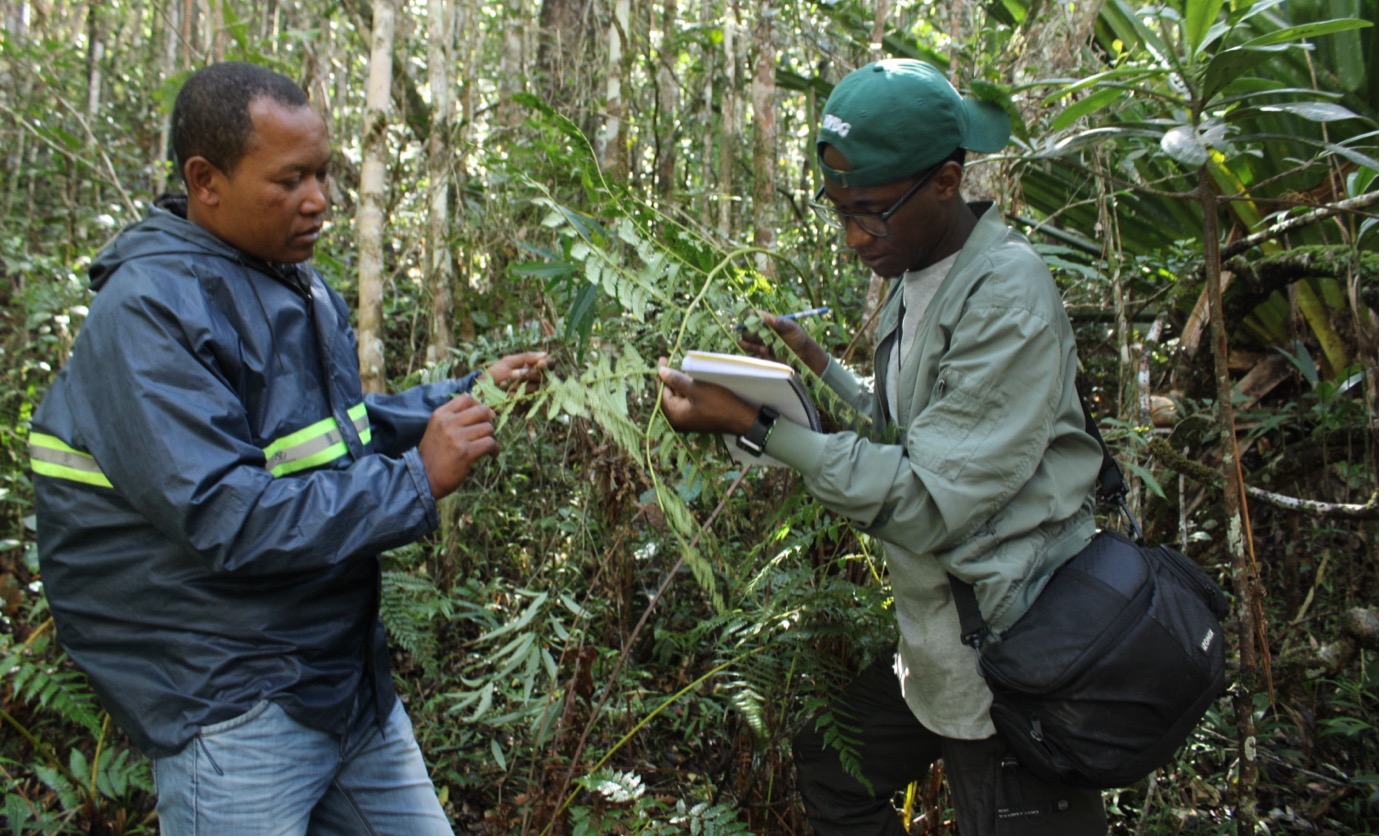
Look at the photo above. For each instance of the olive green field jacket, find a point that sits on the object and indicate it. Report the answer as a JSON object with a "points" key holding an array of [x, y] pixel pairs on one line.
{"points": [[989, 473]]}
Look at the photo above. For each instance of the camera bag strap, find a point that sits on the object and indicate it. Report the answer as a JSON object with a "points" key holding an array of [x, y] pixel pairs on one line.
{"points": [[1112, 488]]}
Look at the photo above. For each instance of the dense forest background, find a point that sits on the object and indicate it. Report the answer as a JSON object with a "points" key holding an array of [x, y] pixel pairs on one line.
{"points": [[617, 630]]}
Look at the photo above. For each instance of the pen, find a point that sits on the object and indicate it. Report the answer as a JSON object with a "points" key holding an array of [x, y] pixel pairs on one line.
{"points": [[807, 313], [794, 316]]}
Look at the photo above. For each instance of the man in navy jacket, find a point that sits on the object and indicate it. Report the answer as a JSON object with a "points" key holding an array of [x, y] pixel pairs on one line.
{"points": [[213, 490]]}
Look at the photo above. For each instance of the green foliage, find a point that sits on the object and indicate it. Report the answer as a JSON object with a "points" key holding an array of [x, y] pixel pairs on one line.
{"points": [[618, 630], [640, 813]]}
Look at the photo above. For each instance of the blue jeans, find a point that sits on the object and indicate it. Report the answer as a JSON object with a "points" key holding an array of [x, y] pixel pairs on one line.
{"points": [[265, 773]]}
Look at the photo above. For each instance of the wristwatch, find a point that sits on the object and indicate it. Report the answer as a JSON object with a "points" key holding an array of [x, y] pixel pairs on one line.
{"points": [[753, 441]]}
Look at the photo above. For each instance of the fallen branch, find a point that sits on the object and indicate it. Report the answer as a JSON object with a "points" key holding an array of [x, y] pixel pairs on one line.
{"points": [[1165, 455], [1369, 200]]}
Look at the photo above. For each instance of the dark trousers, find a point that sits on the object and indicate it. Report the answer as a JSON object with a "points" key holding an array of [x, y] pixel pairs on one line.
{"points": [[992, 794]]}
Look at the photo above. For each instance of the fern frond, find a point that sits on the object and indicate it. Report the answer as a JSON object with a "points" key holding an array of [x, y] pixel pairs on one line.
{"points": [[614, 785], [405, 610], [50, 687], [750, 704]]}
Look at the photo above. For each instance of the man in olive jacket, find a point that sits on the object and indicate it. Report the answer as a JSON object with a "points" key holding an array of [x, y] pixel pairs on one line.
{"points": [[977, 465]]}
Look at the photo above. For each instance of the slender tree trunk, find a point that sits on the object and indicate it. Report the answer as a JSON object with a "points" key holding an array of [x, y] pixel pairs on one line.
{"points": [[762, 91], [513, 61], [562, 53], [470, 37], [730, 120], [216, 29], [185, 20], [667, 132], [877, 32], [167, 62], [370, 215], [96, 51], [438, 247], [707, 193], [1239, 541], [17, 21], [608, 147]]}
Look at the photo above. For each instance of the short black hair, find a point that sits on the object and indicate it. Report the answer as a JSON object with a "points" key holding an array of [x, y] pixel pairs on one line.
{"points": [[211, 116]]}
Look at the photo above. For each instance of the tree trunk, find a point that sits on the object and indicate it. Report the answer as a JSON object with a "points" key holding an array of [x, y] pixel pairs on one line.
{"points": [[188, 16], [731, 120], [609, 150], [669, 126], [168, 58], [762, 91], [877, 32], [438, 249], [562, 51], [1239, 541], [513, 62], [708, 179], [370, 214], [96, 51]]}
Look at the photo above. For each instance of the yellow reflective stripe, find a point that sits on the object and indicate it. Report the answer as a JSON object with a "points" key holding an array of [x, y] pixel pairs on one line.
{"points": [[361, 422], [312, 446], [51, 457]]}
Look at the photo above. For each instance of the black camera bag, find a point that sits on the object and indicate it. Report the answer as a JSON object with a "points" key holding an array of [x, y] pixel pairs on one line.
{"points": [[1106, 674]]}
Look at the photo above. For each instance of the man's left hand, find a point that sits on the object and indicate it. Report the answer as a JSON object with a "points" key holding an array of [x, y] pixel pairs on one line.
{"points": [[693, 406], [521, 372]]}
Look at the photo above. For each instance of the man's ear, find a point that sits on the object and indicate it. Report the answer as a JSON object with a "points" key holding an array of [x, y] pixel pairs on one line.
{"points": [[947, 181], [204, 181]]}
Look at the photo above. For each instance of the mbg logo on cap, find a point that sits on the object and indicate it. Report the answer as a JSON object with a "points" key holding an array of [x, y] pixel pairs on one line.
{"points": [[836, 125]]}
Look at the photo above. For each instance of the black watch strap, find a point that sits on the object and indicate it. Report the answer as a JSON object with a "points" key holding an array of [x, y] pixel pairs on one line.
{"points": [[753, 441]]}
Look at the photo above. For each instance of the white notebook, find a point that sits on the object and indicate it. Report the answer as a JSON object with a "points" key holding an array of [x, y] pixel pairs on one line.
{"points": [[757, 382]]}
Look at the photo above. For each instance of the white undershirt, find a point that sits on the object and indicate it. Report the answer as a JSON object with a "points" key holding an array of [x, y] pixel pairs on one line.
{"points": [[919, 287]]}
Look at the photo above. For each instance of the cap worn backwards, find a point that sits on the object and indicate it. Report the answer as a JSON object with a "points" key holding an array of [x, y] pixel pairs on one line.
{"points": [[897, 117]]}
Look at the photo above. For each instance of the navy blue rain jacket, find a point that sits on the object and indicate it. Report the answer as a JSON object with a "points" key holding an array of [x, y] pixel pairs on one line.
{"points": [[213, 490]]}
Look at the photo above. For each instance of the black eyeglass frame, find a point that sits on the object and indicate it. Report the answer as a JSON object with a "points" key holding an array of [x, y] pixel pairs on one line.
{"points": [[836, 217]]}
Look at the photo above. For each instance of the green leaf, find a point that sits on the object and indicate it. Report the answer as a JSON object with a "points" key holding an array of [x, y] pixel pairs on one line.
{"points": [[1200, 15], [1148, 478], [1306, 31], [1230, 64], [1316, 111], [1086, 106], [1130, 75], [557, 268], [1151, 40]]}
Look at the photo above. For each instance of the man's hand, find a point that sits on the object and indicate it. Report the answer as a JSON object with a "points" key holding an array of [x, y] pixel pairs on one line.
{"points": [[692, 406], [520, 371], [458, 435], [793, 335]]}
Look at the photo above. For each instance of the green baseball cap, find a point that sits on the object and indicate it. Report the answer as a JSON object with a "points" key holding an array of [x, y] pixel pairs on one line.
{"points": [[900, 116]]}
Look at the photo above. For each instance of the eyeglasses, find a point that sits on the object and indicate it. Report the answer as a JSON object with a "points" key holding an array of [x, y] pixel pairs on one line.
{"points": [[875, 224]]}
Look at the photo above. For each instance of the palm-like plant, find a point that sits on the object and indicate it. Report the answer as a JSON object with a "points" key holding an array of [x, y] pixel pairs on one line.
{"points": [[1198, 121]]}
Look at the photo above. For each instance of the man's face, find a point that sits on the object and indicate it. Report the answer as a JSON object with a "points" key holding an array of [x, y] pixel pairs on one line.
{"points": [[916, 229], [273, 202]]}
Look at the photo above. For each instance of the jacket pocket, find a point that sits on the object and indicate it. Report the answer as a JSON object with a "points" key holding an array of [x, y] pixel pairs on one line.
{"points": [[953, 427]]}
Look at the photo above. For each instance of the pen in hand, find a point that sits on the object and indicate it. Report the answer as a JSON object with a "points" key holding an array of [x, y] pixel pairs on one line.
{"points": [[794, 316], [807, 313]]}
